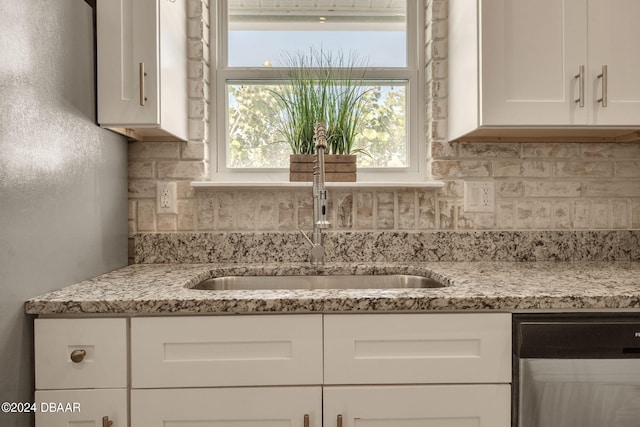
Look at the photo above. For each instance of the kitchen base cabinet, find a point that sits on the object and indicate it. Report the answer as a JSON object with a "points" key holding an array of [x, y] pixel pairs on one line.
{"points": [[85, 408], [222, 407], [303, 370], [413, 406]]}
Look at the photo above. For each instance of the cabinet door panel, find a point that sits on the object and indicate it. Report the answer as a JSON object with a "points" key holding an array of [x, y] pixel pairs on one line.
{"points": [[418, 406], [104, 364], [531, 52], [417, 348], [127, 36], [81, 408], [226, 351], [614, 42], [227, 407]]}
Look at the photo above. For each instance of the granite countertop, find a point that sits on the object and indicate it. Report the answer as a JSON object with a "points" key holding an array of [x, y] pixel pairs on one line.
{"points": [[163, 289]]}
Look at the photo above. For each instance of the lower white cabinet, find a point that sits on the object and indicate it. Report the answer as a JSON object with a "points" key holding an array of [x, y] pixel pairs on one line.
{"points": [[227, 407], [305, 370], [417, 406], [81, 408]]}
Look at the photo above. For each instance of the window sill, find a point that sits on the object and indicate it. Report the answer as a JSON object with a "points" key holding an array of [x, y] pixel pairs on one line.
{"points": [[212, 185]]}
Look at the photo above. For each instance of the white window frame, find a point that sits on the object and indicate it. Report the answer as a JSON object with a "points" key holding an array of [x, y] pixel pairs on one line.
{"points": [[413, 73]]}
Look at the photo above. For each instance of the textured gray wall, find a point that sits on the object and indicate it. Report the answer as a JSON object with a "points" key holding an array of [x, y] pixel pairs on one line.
{"points": [[63, 180]]}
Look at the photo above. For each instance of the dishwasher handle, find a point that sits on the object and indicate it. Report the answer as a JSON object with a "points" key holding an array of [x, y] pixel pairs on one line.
{"points": [[578, 340]]}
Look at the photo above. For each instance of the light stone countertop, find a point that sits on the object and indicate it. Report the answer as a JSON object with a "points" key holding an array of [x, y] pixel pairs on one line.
{"points": [[163, 289]]}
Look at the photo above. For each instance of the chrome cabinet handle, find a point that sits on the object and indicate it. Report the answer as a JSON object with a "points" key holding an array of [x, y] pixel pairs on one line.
{"points": [[143, 97], [306, 420], [604, 76], [339, 420], [77, 356], [580, 77], [106, 422]]}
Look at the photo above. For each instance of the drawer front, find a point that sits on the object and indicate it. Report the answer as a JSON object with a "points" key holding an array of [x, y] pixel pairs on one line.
{"points": [[460, 405], [58, 342], [226, 351], [81, 408], [225, 407], [417, 348]]}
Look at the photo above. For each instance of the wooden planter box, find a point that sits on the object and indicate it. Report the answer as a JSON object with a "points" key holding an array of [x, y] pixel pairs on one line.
{"points": [[337, 167]]}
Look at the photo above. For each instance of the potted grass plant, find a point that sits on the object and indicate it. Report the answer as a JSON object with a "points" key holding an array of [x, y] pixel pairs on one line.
{"points": [[322, 87]]}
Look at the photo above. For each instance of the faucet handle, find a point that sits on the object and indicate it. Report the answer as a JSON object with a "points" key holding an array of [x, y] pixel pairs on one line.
{"points": [[320, 133]]}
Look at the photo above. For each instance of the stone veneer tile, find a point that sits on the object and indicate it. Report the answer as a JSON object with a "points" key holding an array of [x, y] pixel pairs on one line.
{"points": [[344, 210], [364, 210], [611, 188], [406, 210], [550, 150], [552, 188], [635, 214], [490, 149], [509, 188], [304, 208], [628, 169], [562, 214], [226, 211], [447, 214], [186, 215], [266, 212], [286, 218], [506, 214], [525, 212], [524, 168], [581, 214], [146, 215], [426, 210], [619, 214], [386, 210], [611, 150], [461, 168], [207, 208], [543, 214], [600, 213], [583, 169]]}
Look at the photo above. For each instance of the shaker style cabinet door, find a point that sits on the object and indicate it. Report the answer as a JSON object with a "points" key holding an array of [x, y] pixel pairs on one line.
{"points": [[532, 55], [224, 407], [142, 61], [614, 45], [83, 408], [413, 406]]}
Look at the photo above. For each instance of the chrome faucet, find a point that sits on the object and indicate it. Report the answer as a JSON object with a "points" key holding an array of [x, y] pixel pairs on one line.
{"points": [[320, 206]]}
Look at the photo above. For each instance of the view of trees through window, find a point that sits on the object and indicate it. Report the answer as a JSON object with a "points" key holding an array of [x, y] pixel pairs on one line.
{"points": [[256, 142]]}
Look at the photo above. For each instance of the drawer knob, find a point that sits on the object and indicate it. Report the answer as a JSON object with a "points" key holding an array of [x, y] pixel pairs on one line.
{"points": [[77, 356]]}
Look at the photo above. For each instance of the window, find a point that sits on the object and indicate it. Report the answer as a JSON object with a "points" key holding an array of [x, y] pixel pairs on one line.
{"points": [[255, 43]]}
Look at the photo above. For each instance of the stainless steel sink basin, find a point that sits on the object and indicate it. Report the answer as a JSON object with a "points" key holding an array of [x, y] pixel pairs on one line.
{"points": [[392, 281]]}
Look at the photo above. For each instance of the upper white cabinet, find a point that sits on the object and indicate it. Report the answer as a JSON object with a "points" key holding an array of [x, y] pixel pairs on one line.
{"points": [[554, 68], [142, 68]]}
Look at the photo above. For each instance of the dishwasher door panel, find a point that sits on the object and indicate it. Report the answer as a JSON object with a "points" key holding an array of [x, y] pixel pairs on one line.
{"points": [[579, 393]]}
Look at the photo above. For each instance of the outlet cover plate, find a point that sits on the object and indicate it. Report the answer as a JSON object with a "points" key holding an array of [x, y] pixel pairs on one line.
{"points": [[167, 199], [479, 196]]}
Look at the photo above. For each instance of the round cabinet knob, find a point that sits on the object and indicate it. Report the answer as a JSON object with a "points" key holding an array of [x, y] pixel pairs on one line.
{"points": [[77, 356]]}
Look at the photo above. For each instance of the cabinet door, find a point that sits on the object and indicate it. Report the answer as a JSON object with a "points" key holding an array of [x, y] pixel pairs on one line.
{"points": [[614, 42], [418, 406], [531, 52], [85, 408], [417, 348], [212, 351], [127, 40], [102, 344], [226, 407]]}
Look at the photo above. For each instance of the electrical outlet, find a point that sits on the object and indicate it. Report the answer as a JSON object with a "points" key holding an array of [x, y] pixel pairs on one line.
{"points": [[167, 199], [479, 196]]}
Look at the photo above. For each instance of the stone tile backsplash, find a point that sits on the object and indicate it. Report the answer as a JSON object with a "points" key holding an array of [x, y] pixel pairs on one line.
{"points": [[539, 186]]}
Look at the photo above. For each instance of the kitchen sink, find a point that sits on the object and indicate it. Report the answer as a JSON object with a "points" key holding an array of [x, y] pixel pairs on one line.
{"points": [[377, 281]]}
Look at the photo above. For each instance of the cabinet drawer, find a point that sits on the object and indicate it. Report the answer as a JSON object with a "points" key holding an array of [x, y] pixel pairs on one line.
{"points": [[81, 407], [226, 351], [417, 348], [220, 407], [103, 341]]}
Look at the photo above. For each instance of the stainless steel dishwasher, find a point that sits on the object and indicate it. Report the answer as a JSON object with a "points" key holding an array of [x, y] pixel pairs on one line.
{"points": [[576, 371]]}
